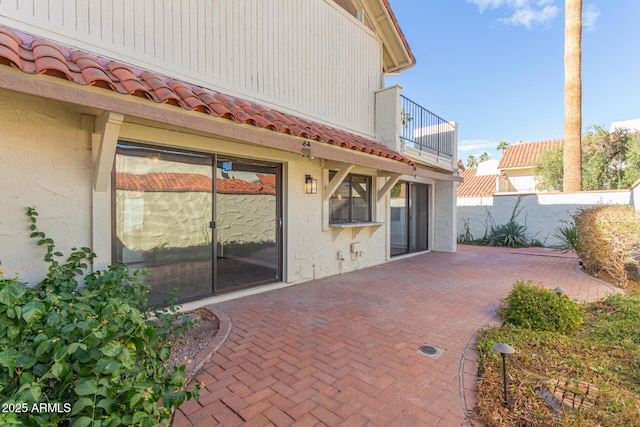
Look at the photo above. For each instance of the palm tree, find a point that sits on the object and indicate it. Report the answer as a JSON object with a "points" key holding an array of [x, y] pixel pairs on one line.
{"points": [[502, 146], [472, 162], [572, 160], [484, 157]]}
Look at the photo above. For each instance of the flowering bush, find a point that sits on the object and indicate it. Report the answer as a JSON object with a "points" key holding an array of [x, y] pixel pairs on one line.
{"points": [[84, 355], [540, 309]]}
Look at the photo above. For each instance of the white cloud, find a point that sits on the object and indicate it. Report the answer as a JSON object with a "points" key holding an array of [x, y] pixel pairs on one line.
{"points": [[528, 16], [476, 144], [488, 4], [590, 15], [526, 13]]}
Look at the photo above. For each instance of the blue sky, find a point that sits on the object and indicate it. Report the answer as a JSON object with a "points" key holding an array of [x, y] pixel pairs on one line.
{"points": [[496, 66]]}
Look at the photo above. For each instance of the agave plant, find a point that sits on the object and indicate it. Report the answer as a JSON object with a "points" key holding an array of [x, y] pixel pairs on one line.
{"points": [[568, 237], [510, 235]]}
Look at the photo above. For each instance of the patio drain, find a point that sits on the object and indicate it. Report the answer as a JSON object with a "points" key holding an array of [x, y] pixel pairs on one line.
{"points": [[430, 351]]}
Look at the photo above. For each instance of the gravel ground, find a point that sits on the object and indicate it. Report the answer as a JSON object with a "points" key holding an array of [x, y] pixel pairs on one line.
{"points": [[185, 348]]}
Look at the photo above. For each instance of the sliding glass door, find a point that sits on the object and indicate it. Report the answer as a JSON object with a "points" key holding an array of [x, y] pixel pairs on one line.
{"points": [[163, 212], [418, 217], [198, 222], [409, 221], [248, 223]]}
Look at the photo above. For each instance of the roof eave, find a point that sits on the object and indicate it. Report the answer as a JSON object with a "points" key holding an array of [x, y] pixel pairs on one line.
{"points": [[97, 99], [397, 55]]}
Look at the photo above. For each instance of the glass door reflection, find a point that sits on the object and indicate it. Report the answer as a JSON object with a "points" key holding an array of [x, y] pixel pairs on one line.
{"points": [[248, 223], [163, 213]]}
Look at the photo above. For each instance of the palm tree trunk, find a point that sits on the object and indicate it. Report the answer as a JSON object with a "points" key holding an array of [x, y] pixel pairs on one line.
{"points": [[572, 180]]}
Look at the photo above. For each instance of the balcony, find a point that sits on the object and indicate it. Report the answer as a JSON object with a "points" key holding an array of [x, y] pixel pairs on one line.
{"points": [[424, 131], [414, 131]]}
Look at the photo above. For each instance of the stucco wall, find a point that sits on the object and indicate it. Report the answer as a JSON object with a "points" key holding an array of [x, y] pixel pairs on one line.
{"points": [[308, 250], [444, 207], [313, 252], [45, 160], [541, 213]]}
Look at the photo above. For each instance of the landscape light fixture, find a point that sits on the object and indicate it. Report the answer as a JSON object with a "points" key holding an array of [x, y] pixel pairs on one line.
{"points": [[504, 349], [310, 184], [559, 290]]}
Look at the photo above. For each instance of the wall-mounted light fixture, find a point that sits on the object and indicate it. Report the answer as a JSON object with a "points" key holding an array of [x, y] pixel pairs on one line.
{"points": [[310, 184], [306, 150]]}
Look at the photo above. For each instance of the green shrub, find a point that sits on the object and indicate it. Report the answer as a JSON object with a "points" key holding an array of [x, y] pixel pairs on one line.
{"points": [[509, 235], [95, 351], [609, 242], [540, 309], [567, 235]]}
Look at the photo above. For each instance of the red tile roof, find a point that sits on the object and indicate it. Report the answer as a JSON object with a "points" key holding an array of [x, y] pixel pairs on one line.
{"points": [[527, 155], [186, 182], [476, 186], [33, 55]]}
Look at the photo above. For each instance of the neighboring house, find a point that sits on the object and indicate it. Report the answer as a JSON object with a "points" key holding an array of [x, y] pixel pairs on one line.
{"points": [[219, 148], [480, 181], [518, 163], [630, 125], [492, 193]]}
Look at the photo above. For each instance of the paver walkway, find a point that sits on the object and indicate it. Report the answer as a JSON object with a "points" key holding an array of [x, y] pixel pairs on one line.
{"points": [[342, 351]]}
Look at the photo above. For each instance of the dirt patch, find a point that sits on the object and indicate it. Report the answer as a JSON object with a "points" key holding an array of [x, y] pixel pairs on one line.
{"points": [[185, 348]]}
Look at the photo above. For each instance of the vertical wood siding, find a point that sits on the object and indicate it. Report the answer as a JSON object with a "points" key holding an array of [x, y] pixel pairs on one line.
{"points": [[302, 56]]}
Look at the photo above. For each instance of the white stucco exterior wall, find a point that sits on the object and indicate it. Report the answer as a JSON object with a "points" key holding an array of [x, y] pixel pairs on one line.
{"points": [[313, 252], [445, 216], [388, 108], [541, 213], [308, 251], [45, 163]]}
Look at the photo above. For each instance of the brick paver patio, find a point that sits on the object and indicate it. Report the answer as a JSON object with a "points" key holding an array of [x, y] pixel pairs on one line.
{"points": [[342, 351]]}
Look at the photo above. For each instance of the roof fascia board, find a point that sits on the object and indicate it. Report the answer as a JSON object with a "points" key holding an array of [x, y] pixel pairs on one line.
{"points": [[379, 13]]}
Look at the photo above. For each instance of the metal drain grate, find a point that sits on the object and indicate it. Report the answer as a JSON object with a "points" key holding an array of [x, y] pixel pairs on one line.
{"points": [[430, 351]]}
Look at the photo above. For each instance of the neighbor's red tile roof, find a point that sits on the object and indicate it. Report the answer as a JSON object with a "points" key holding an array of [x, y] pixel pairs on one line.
{"points": [[527, 155], [33, 55], [184, 182], [238, 186], [476, 186]]}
